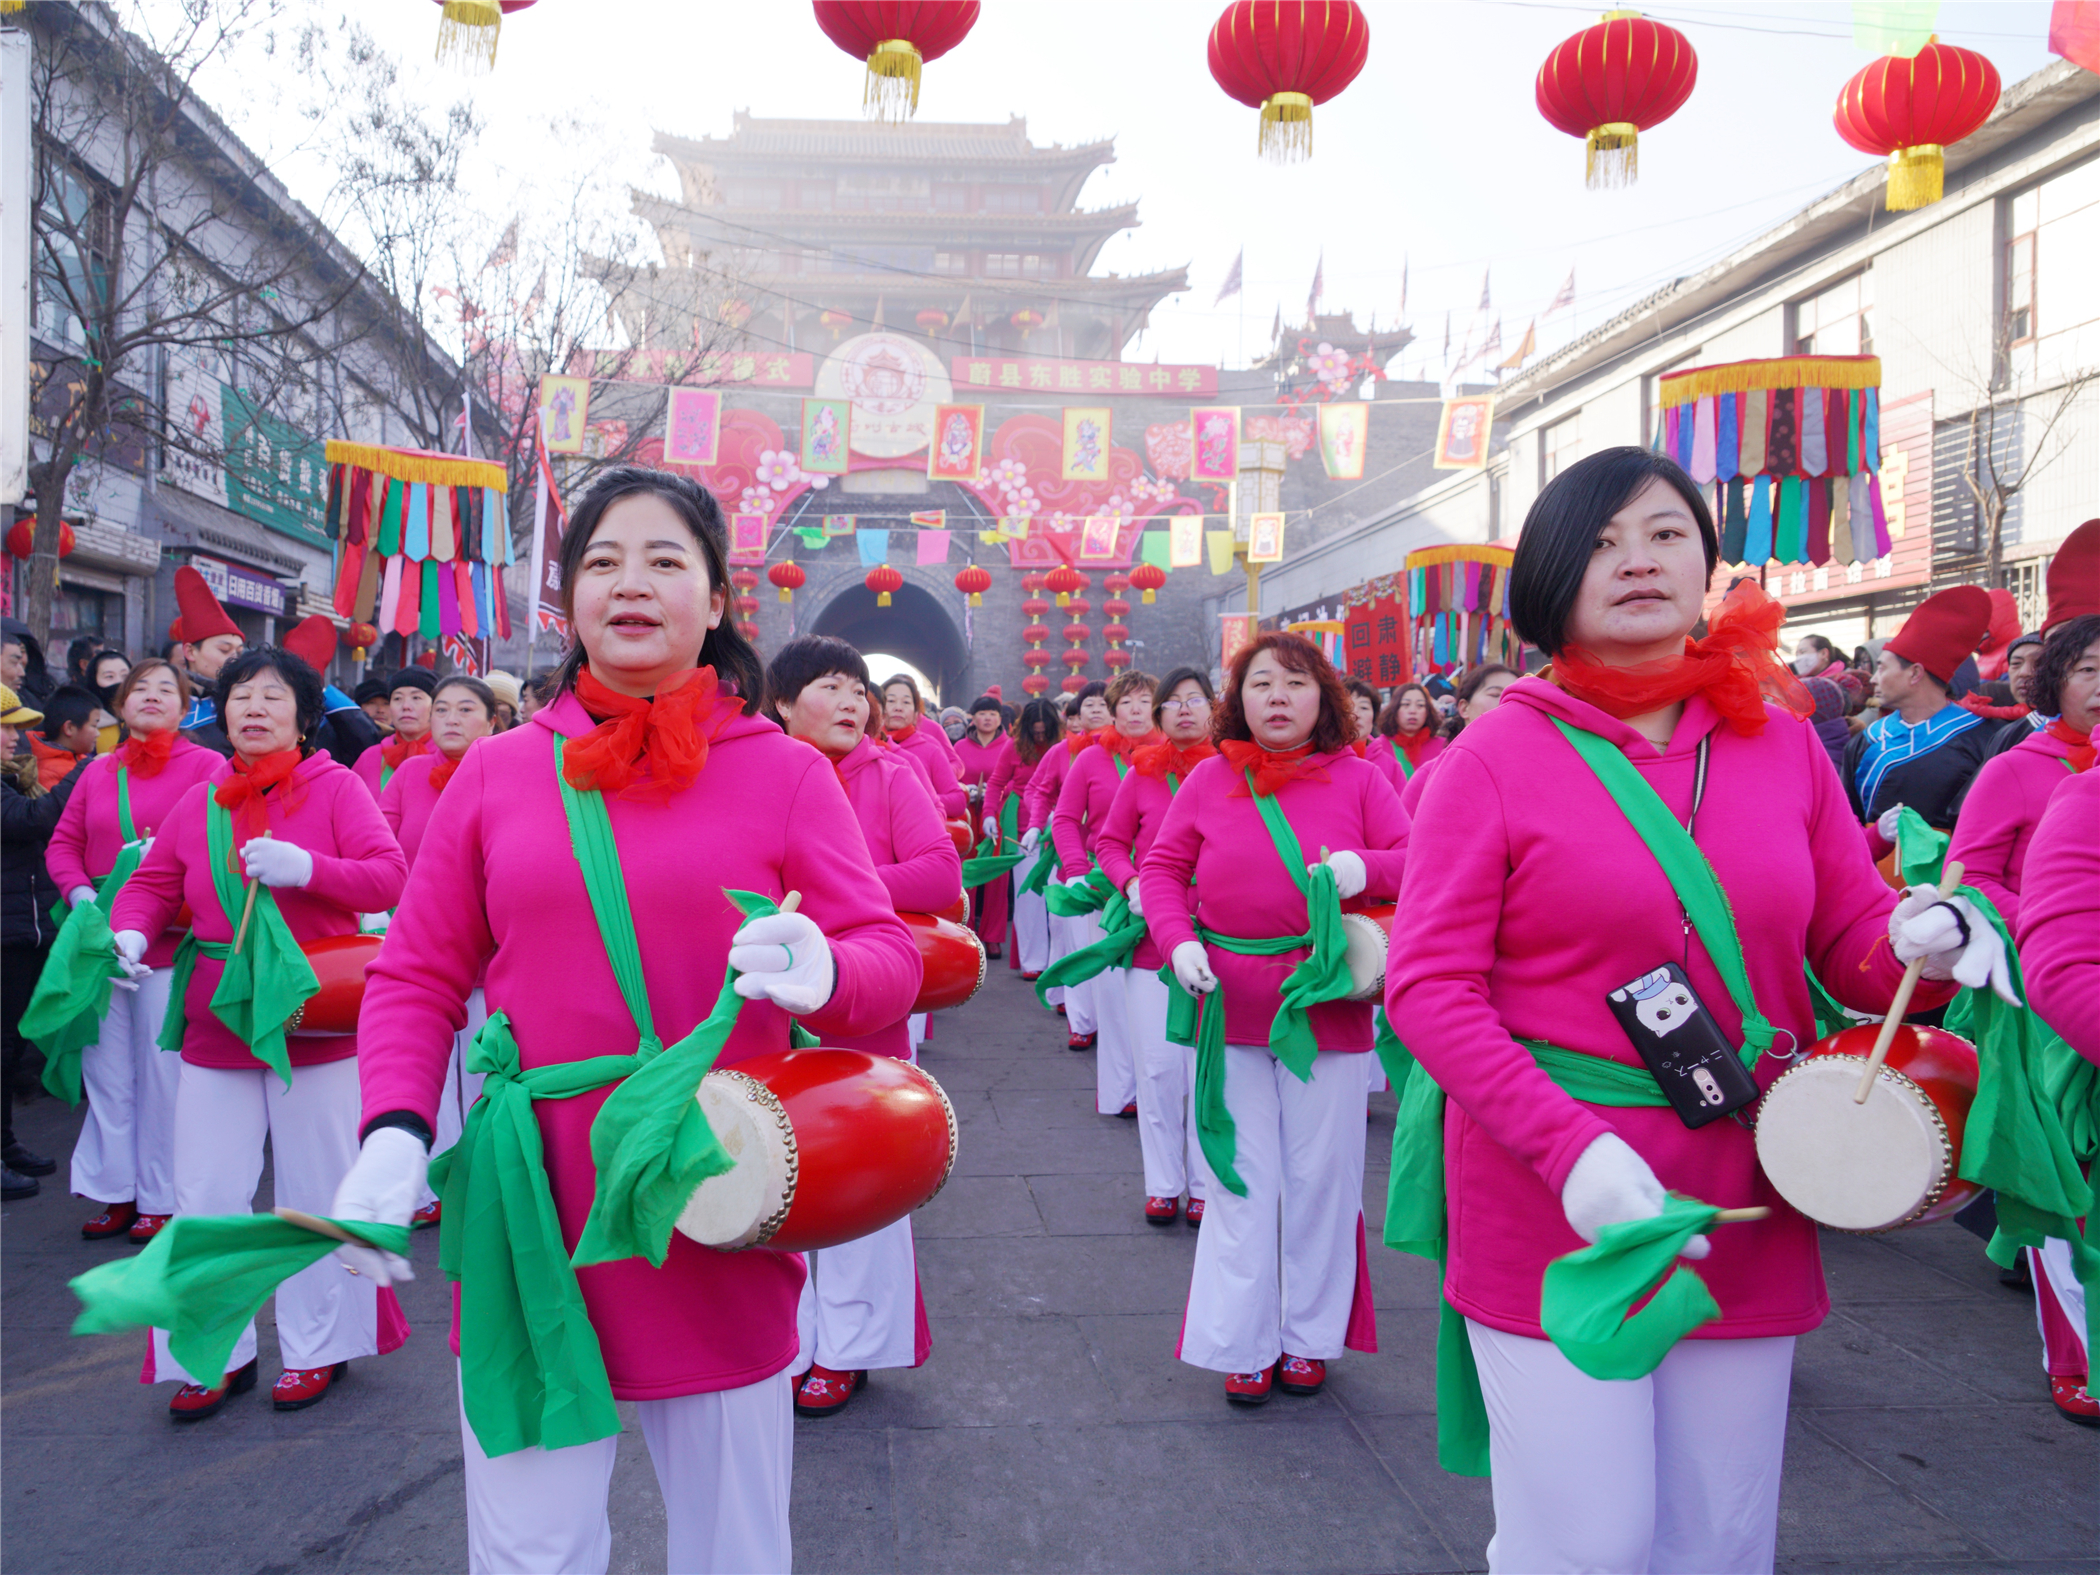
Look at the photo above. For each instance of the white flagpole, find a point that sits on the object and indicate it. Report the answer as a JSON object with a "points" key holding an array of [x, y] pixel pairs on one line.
{"points": [[539, 539]]}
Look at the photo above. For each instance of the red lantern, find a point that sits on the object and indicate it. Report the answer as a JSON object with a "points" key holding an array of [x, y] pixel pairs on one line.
{"points": [[468, 31], [1078, 607], [895, 37], [975, 580], [1072, 683], [1035, 656], [1610, 82], [789, 577], [1284, 56], [1036, 633], [834, 321], [1077, 633], [933, 317], [1035, 606], [1076, 658], [882, 579], [1026, 319], [359, 638], [1064, 579], [1116, 632], [21, 538], [1116, 607], [1115, 584], [1911, 109], [747, 608], [1148, 577], [1117, 660], [1035, 684], [1032, 583], [744, 580]]}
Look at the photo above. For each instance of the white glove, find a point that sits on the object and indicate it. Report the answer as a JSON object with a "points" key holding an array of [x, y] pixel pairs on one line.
{"points": [[382, 1187], [1030, 838], [784, 958], [1953, 937], [991, 825], [1610, 1185], [131, 946], [1130, 893], [79, 895], [1885, 823], [1192, 968], [1350, 876], [277, 863]]}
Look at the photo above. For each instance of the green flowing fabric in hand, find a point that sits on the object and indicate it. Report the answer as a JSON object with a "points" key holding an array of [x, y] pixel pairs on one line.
{"points": [[204, 1277], [1395, 1057], [1323, 974], [990, 862], [268, 979], [1587, 1295], [1037, 880], [1076, 899], [1199, 1021], [1121, 930], [65, 1013]]}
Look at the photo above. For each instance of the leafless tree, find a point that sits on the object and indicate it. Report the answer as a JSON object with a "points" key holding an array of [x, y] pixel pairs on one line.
{"points": [[2010, 443]]}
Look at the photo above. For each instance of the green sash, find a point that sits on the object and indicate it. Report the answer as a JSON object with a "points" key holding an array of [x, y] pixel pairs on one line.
{"points": [[1121, 930], [1075, 899], [264, 983], [1407, 766], [991, 860]]}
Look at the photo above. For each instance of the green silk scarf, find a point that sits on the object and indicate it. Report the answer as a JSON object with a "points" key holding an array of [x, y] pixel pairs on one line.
{"points": [[991, 859]]}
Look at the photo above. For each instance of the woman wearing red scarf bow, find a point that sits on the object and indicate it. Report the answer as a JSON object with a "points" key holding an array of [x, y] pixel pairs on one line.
{"points": [[586, 861], [409, 696], [285, 847], [462, 710], [1082, 804], [1542, 901], [1165, 1071], [1278, 829], [1997, 822], [1407, 738], [125, 1159]]}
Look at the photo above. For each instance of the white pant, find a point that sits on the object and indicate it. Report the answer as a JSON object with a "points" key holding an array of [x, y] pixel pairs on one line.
{"points": [[1031, 929], [915, 1033], [724, 1462], [1115, 1058], [461, 1088], [2052, 1261], [1066, 937], [860, 1303], [1675, 1472], [126, 1151], [1166, 1076], [324, 1314], [1300, 1151]]}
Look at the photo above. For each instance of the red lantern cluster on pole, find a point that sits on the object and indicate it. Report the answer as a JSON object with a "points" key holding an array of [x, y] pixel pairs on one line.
{"points": [[21, 538], [1148, 578], [1912, 109], [1283, 57], [745, 580], [896, 38], [883, 580], [1613, 81], [788, 577], [974, 581]]}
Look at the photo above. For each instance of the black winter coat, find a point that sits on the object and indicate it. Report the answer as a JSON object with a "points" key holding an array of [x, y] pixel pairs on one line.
{"points": [[27, 891]]}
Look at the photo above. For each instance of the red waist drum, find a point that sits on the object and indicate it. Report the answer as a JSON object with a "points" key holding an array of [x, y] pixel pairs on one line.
{"points": [[959, 834], [338, 961], [830, 1145], [957, 912], [1893, 1161], [951, 958]]}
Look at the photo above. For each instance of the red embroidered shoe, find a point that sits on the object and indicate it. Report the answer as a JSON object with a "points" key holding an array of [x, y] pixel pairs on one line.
{"points": [[1128, 1112], [824, 1392], [1162, 1211], [114, 1220], [1080, 1042], [2075, 1400], [1249, 1388], [193, 1402], [299, 1387], [1030, 978], [1195, 1214], [146, 1227], [1301, 1375], [1060, 1009], [427, 1215]]}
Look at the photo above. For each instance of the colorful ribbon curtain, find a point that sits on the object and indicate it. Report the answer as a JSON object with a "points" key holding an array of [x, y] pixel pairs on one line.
{"points": [[1458, 608], [423, 541], [1792, 450]]}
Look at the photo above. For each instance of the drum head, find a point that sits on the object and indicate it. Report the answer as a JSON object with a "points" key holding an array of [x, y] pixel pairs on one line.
{"points": [[743, 1206], [1863, 1168], [1366, 957]]}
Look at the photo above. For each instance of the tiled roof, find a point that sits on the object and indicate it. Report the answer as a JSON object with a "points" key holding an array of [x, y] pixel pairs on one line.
{"points": [[914, 141]]}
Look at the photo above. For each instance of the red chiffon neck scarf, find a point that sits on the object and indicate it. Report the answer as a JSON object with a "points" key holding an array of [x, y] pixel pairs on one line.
{"points": [[643, 749], [1079, 741], [2082, 750], [144, 754], [1412, 744], [1736, 667], [1162, 760], [397, 749], [1123, 745], [1271, 768], [901, 735], [441, 773], [242, 793]]}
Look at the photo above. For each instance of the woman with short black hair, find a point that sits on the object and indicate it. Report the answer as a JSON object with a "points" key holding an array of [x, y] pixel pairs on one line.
{"points": [[1545, 900], [409, 696]]}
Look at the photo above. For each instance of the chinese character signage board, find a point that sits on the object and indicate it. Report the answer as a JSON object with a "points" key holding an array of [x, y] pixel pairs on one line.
{"points": [[238, 587], [985, 373], [1375, 642], [275, 474], [751, 368]]}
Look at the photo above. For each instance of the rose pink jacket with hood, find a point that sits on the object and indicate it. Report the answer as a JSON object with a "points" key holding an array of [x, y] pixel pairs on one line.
{"points": [[2059, 928], [1998, 817], [87, 840]]}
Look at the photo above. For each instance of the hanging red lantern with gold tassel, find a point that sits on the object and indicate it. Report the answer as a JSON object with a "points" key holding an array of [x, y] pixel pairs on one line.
{"points": [[882, 580], [1910, 110], [1613, 81], [788, 577], [468, 31], [1148, 577], [974, 581], [896, 38], [1283, 57]]}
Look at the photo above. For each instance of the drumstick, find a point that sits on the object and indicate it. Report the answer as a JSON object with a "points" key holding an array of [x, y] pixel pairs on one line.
{"points": [[318, 1226], [247, 910], [791, 902], [1950, 878], [1741, 1216]]}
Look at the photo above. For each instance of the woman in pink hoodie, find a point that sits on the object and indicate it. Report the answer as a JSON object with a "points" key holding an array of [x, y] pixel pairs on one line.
{"points": [[1407, 738], [2059, 930], [1273, 833], [906, 725], [982, 750], [286, 819], [1037, 734], [125, 1158], [650, 791], [1541, 902], [860, 1306], [1089, 716]]}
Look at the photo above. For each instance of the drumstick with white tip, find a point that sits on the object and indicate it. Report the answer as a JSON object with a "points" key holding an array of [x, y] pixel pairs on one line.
{"points": [[247, 912], [791, 902], [1950, 878], [1742, 1216]]}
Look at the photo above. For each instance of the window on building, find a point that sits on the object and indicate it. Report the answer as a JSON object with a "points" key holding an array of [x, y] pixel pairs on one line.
{"points": [[951, 262], [2025, 581], [1013, 199], [1837, 321], [71, 262], [2051, 309], [752, 194], [1002, 265], [1560, 445], [882, 191], [2019, 288]]}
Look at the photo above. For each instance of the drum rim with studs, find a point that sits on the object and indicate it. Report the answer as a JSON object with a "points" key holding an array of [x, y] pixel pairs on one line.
{"points": [[1935, 1127]]}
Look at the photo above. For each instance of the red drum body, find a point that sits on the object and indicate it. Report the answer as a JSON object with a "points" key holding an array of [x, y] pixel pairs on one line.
{"points": [[953, 960], [1891, 1162], [957, 912], [829, 1146], [1368, 933], [959, 834], [338, 961]]}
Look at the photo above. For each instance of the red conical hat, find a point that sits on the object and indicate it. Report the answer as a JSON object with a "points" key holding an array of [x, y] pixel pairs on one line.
{"points": [[2074, 577], [202, 616], [312, 640], [1943, 631]]}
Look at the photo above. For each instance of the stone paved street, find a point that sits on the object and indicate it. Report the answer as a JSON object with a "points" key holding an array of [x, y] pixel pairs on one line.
{"points": [[1052, 1429]]}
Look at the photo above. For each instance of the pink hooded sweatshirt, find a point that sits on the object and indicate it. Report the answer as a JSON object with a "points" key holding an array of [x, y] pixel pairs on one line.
{"points": [[1386, 758], [1128, 831], [939, 763], [85, 845], [371, 765], [1998, 817], [1214, 836], [358, 868], [497, 884], [1049, 779], [1540, 901], [1082, 804], [981, 762], [2059, 928], [1014, 775], [408, 801], [937, 735]]}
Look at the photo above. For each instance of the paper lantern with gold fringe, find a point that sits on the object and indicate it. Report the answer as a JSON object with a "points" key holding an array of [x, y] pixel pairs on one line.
{"points": [[974, 581], [896, 38], [1613, 81], [789, 577], [883, 580], [1283, 57], [1912, 109], [468, 31], [1148, 577]]}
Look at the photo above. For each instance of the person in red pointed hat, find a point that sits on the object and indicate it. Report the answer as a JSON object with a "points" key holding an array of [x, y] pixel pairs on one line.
{"points": [[345, 731], [209, 639], [1927, 749], [2074, 577]]}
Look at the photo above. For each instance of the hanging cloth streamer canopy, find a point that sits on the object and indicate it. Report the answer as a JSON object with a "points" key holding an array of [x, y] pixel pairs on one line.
{"points": [[1458, 608], [1611, 82], [1283, 57], [422, 541], [1912, 108], [468, 31], [1792, 450], [896, 38]]}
